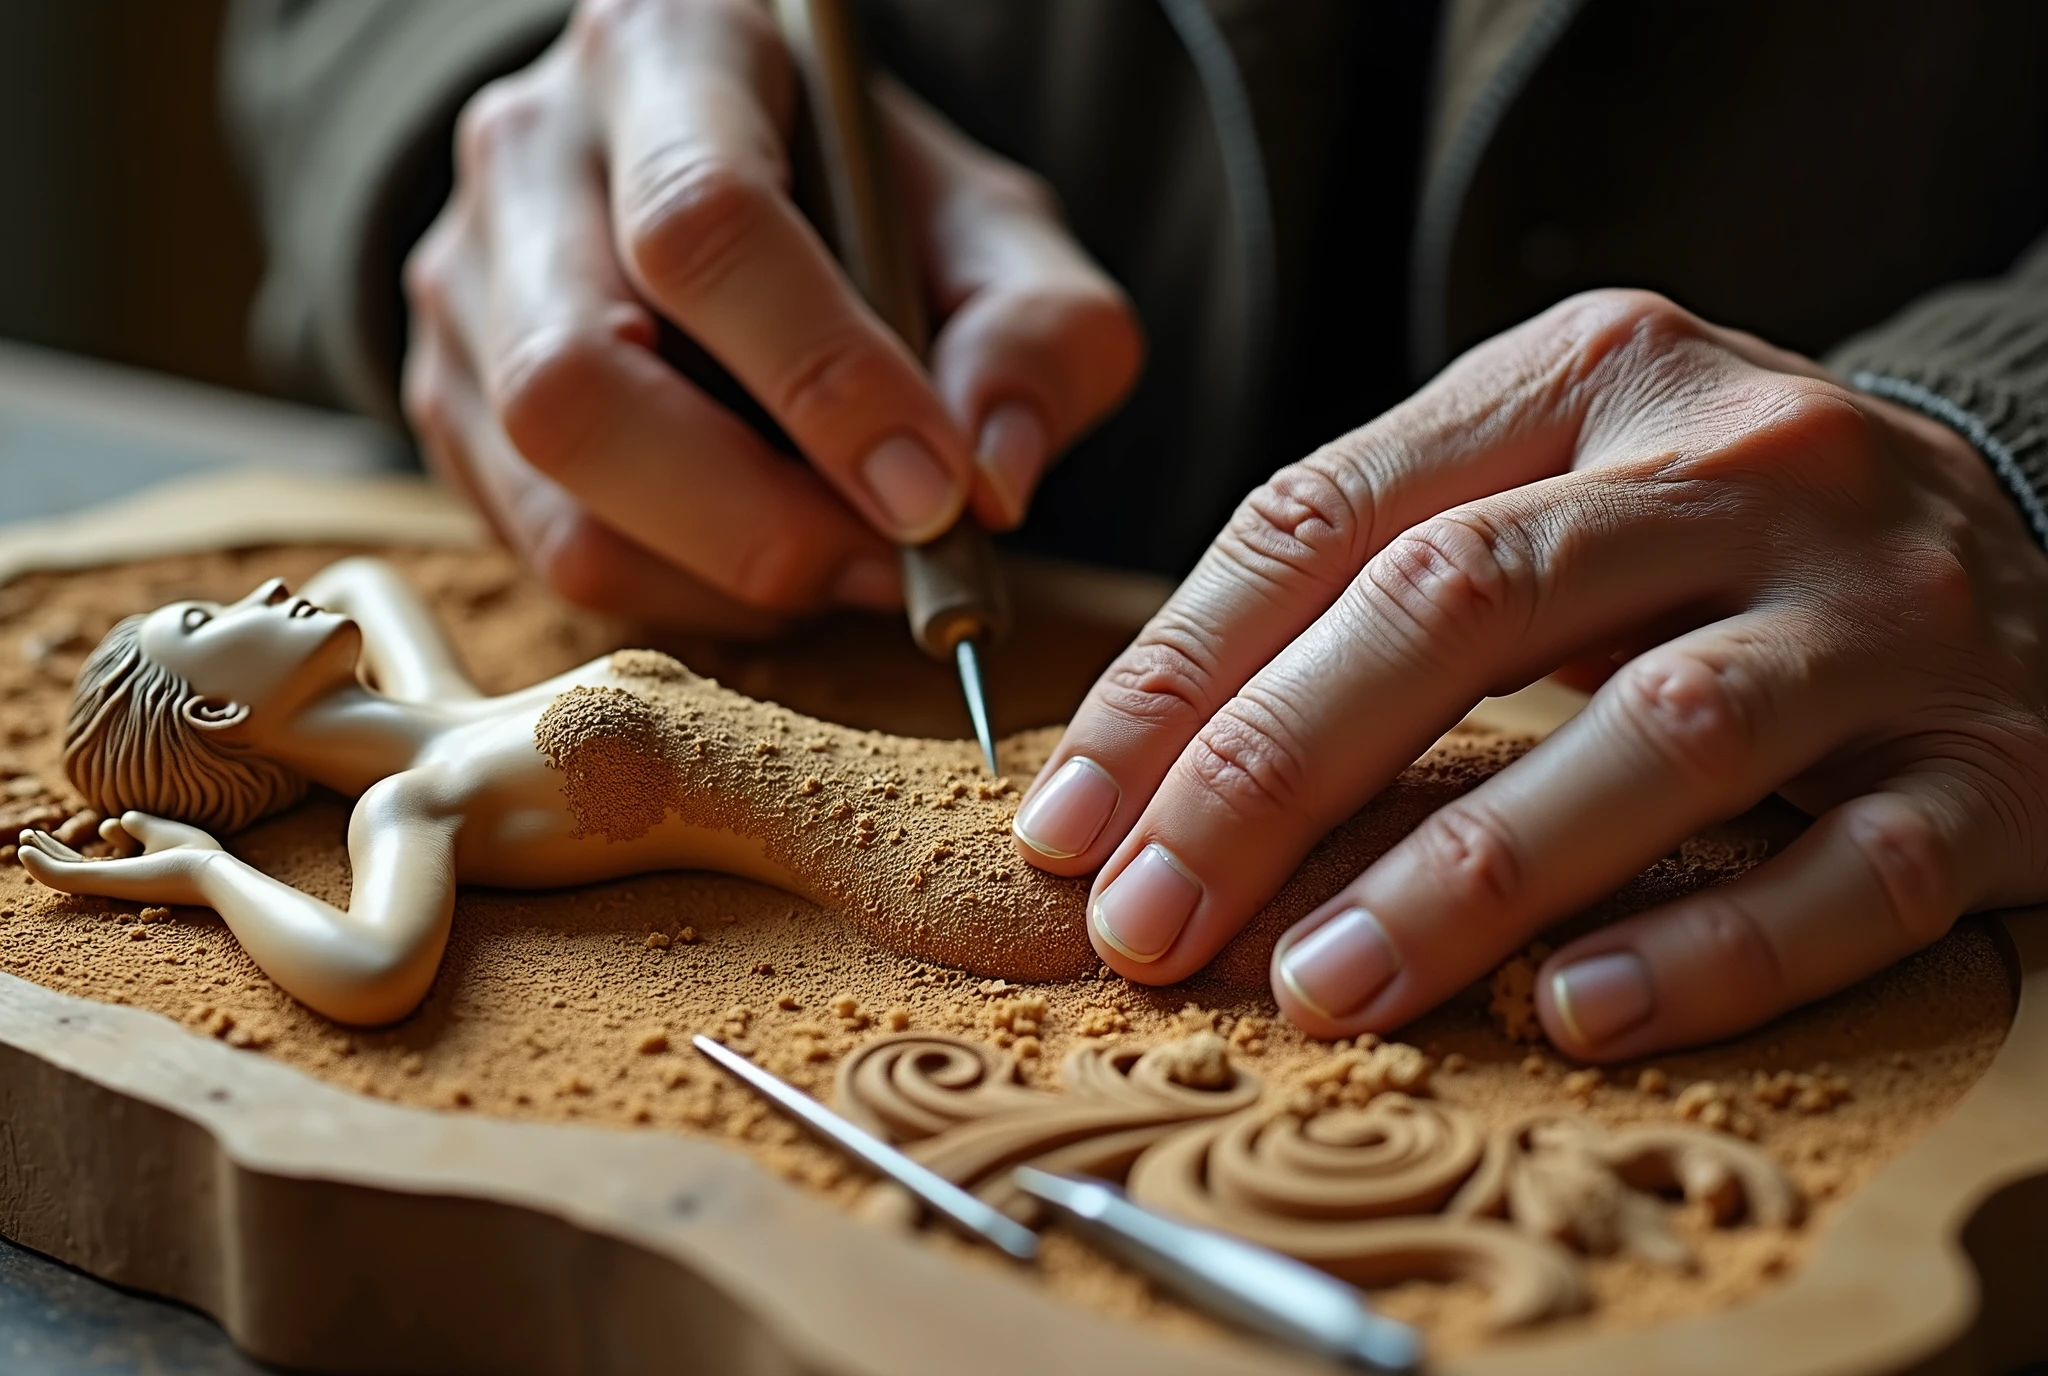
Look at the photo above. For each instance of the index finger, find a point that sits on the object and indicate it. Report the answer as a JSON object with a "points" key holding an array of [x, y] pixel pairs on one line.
{"points": [[691, 102]]}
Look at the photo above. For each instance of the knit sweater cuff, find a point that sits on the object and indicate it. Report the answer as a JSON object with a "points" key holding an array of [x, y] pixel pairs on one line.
{"points": [[2022, 472], [1974, 358]]}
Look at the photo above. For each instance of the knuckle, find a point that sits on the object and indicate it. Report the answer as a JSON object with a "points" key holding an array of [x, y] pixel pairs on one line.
{"points": [[502, 115], [1472, 857], [543, 392], [1905, 854], [1454, 578], [429, 271], [428, 407], [1164, 679], [1731, 949], [838, 373], [690, 218], [1687, 708], [1247, 760], [1309, 521]]}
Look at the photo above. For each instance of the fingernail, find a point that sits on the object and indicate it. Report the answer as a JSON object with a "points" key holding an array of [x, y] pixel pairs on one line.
{"points": [[1143, 910], [1064, 818], [872, 583], [911, 486], [1340, 966], [1010, 451], [1604, 996]]}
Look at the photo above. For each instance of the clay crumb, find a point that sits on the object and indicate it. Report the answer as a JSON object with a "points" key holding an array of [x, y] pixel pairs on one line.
{"points": [[412, 1063], [1581, 1083], [1248, 1035], [1533, 1064], [764, 968], [1653, 1081], [897, 1019], [1453, 1064], [154, 915], [811, 785], [1103, 1022], [658, 941], [1021, 1017], [138, 933], [1803, 1091], [1201, 1061], [79, 828], [652, 1043], [688, 936], [787, 1002], [1712, 1105], [1359, 1074], [1513, 1004]]}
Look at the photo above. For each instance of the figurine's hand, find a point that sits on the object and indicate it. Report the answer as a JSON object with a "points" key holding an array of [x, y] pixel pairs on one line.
{"points": [[1809, 590], [168, 870], [638, 172]]}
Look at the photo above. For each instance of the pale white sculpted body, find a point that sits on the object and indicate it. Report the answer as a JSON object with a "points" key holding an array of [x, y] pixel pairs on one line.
{"points": [[451, 788]]}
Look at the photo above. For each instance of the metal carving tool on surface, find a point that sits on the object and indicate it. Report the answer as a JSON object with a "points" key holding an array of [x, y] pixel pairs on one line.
{"points": [[941, 1195], [1232, 1278], [952, 588]]}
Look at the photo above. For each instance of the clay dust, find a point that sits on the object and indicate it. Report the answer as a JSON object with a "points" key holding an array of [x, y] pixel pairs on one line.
{"points": [[578, 1004]]}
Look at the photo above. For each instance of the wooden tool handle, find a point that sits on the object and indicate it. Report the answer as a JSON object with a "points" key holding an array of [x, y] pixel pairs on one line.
{"points": [[952, 588], [954, 591]]}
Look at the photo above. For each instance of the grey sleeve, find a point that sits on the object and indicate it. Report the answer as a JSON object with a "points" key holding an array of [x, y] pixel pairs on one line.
{"points": [[340, 113], [1974, 356]]}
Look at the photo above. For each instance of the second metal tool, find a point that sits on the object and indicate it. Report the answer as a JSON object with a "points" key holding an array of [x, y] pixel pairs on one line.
{"points": [[1230, 1277], [952, 589]]}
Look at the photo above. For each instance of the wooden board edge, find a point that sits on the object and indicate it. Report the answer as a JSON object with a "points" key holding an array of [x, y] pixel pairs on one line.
{"points": [[329, 1231]]}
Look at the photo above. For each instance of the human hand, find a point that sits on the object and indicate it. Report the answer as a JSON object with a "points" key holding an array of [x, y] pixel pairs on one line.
{"points": [[168, 870], [1810, 591], [638, 169]]}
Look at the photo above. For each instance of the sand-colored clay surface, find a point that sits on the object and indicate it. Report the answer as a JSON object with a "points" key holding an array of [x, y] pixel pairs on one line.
{"points": [[576, 1005]]}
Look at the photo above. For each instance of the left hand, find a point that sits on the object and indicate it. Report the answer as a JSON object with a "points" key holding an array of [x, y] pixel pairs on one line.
{"points": [[174, 856], [1812, 591]]}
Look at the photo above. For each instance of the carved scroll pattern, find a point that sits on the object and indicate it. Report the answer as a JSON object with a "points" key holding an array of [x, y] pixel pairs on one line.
{"points": [[1400, 1188]]}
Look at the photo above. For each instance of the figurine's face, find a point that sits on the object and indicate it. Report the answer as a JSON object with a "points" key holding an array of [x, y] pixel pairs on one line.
{"points": [[269, 650]]}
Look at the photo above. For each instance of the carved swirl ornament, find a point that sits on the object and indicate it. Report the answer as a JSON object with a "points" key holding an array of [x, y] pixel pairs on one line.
{"points": [[1400, 1187]]}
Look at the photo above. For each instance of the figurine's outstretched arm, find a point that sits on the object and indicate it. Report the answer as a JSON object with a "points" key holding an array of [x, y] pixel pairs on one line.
{"points": [[408, 657], [371, 964]]}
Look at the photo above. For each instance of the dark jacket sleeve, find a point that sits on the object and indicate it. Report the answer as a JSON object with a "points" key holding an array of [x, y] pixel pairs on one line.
{"points": [[1974, 356], [340, 111]]}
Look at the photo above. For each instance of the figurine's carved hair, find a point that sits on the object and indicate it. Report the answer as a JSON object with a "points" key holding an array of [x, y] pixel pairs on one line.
{"points": [[141, 737]]}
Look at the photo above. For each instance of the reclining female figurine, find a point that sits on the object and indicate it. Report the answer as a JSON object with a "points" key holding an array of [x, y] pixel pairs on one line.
{"points": [[202, 717]]}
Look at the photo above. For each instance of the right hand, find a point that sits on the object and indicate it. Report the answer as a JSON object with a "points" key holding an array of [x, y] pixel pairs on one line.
{"points": [[639, 167], [173, 857]]}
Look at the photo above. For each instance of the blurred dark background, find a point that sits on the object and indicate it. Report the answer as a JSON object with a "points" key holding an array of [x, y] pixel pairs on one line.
{"points": [[125, 233]]}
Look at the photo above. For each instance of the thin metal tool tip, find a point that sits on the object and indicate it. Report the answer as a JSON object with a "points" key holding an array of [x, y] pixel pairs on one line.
{"points": [[969, 660]]}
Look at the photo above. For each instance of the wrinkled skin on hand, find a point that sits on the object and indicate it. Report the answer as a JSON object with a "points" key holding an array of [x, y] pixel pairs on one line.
{"points": [[638, 171], [1807, 590]]}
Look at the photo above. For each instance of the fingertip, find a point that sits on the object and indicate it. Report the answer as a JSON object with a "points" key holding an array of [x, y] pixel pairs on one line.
{"points": [[1012, 449], [1598, 1005], [1063, 816], [917, 497]]}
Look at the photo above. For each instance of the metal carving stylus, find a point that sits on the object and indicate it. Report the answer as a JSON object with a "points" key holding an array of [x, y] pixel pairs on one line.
{"points": [[1230, 1277], [941, 1195], [952, 589]]}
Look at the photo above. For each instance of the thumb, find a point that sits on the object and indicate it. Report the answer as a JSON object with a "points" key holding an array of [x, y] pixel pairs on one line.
{"points": [[1038, 343]]}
